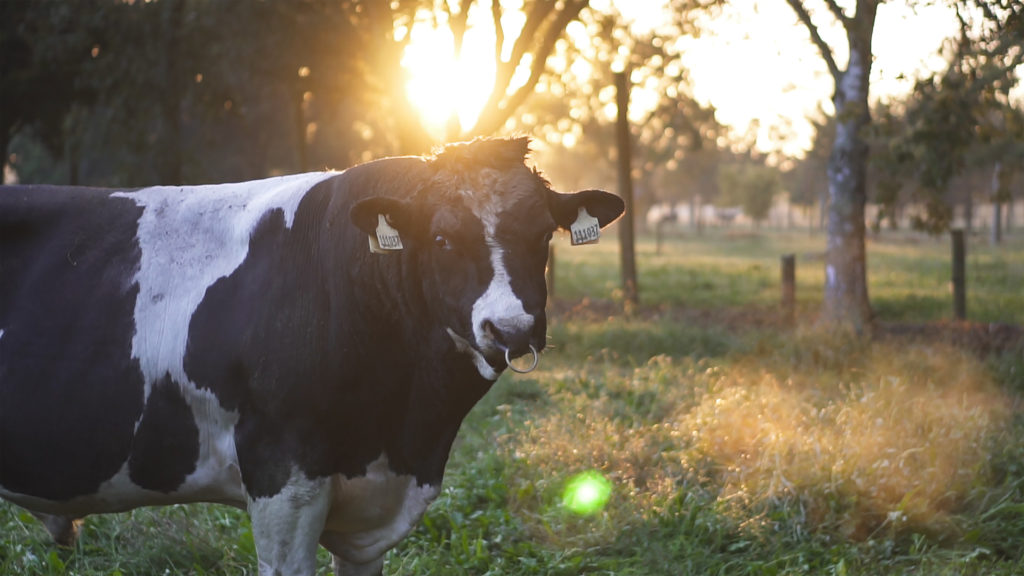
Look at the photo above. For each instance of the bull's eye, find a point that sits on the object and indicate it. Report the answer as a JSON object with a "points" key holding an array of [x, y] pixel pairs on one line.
{"points": [[441, 241]]}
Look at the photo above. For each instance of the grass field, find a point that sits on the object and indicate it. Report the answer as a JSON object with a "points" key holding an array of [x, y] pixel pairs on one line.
{"points": [[734, 444]]}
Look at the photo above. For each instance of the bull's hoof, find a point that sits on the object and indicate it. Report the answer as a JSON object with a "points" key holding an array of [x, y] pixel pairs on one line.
{"points": [[63, 529]]}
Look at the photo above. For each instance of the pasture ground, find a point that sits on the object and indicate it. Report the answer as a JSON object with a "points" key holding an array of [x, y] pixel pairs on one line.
{"points": [[735, 443]]}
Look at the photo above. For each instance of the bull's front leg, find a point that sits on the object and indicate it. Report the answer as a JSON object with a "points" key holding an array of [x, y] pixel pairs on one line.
{"points": [[286, 527]]}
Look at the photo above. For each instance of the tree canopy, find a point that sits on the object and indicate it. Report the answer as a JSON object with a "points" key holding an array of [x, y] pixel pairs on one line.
{"points": [[135, 92], [957, 122]]}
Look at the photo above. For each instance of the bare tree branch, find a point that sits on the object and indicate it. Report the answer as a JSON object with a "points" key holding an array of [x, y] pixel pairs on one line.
{"points": [[837, 11], [499, 30], [505, 69], [458, 21], [498, 108], [823, 47]]}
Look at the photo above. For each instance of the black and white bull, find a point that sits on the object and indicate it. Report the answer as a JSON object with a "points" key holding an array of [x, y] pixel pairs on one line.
{"points": [[241, 344]]}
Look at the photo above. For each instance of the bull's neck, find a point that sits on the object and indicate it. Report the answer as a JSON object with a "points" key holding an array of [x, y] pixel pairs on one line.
{"points": [[438, 398], [421, 386]]}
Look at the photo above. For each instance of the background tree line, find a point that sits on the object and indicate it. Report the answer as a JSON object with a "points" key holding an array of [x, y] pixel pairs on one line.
{"points": [[131, 92], [134, 92]]}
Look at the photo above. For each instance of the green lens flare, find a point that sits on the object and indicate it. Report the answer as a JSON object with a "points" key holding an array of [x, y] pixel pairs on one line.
{"points": [[587, 493]]}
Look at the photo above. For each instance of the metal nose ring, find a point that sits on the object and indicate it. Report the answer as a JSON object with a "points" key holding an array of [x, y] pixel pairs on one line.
{"points": [[536, 360]]}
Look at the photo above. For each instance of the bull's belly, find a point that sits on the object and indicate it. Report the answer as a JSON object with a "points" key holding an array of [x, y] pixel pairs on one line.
{"points": [[215, 478], [119, 494], [370, 514], [123, 498]]}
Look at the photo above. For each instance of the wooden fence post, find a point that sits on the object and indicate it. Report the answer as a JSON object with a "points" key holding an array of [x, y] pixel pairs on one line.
{"points": [[959, 275], [789, 287]]}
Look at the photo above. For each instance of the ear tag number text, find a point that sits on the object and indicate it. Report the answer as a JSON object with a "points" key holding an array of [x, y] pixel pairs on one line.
{"points": [[387, 238], [586, 229]]}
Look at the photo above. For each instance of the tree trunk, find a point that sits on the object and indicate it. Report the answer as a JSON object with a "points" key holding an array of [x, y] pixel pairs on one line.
{"points": [[626, 226], [3, 157], [846, 292], [169, 160], [71, 156], [299, 121]]}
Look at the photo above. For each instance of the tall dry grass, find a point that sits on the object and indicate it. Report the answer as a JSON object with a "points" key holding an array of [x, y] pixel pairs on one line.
{"points": [[803, 437]]}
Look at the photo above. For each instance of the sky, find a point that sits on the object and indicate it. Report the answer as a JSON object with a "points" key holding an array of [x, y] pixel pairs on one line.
{"points": [[754, 63]]}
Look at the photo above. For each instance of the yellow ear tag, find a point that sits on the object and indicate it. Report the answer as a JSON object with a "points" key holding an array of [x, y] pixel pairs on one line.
{"points": [[586, 229], [387, 238]]}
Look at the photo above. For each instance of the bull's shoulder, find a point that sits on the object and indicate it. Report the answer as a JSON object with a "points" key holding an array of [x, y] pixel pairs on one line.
{"points": [[395, 177]]}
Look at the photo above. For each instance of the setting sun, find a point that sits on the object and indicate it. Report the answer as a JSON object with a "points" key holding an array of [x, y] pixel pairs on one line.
{"points": [[439, 83]]}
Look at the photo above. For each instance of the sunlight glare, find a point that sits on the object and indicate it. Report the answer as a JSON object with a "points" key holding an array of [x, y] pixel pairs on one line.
{"points": [[587, 493], [439, 84]]}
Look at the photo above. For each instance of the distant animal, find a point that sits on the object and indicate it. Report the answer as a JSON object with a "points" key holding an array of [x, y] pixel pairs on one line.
{"points": [[304, 347]]}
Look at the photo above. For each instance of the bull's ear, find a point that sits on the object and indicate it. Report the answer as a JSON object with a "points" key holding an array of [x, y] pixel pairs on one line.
{"points": [[565, 208], [364, 213], [382, 219]]}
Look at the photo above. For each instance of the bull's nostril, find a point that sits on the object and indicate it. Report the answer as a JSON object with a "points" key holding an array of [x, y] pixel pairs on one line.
{"points": [[508, 335], [492, 330]]}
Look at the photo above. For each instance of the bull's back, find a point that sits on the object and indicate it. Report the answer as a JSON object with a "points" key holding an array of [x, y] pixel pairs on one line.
{"points": [[70, 392]]}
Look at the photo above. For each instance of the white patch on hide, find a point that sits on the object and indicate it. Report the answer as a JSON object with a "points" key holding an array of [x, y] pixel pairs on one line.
{"points": [[189, 238], [217, 477], [498, 304], [286, 527], [370, 514]]}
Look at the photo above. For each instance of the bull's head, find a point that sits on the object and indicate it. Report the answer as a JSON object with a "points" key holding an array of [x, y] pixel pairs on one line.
{"points": [[479, 231]]}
